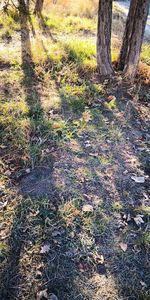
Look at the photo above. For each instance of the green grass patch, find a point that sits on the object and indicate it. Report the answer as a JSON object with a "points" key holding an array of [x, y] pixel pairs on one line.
{"points": [[70, 24]]}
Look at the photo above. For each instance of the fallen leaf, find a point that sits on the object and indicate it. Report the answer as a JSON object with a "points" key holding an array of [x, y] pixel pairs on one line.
{"points": [[138, 179], [123, 246], [143, 284], [110, 98], [87, 144], [8, 173], [124, 216], [45, 249], [93, 154], [138, 220], [125, 172], [42, 294], [87, 208], [128, 218], [141, 149], [86, 116], [56, 125], [99, 259]]}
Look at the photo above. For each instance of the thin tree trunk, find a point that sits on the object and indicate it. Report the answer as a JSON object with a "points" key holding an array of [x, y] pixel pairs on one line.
{"points": [[135, 43], [104, 38], [38, 6], [127, 35]]}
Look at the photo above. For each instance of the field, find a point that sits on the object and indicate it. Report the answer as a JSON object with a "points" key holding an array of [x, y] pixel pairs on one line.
{"points": [[75, 161]]}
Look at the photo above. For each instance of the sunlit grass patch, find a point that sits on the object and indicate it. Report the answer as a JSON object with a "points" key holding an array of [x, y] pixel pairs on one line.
{"points": [[40, 56], [144, 72], [79, 50], [74, 90], [8, 25], [8, 55], [14, 123], [145, 54], [114, 54], [117, 206], [77, 96], [105, 160], [69, 24], [69, 211]]}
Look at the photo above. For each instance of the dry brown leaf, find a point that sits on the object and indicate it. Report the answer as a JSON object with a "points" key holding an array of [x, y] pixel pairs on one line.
{"points": [[123, 246], [110, 98], [56, 125]]}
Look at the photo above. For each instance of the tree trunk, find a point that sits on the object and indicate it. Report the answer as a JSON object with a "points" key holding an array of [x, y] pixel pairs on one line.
{"points": [[104, 38], [127, 35], [38, 6], [135, 43], [133, 37]]}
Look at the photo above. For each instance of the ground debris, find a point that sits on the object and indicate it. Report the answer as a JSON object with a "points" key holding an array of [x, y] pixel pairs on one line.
{"points": [[123, 246], [138, 179], [45, 249]]}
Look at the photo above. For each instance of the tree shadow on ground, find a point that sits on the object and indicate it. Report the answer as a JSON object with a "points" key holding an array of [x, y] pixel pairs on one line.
{"points": [[113, 185], [26, 270], [71, 177]]}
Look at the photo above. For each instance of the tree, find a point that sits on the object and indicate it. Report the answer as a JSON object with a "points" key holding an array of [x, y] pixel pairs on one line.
{"points": [[127, 35], [38, 7], [133, 37], [104, 38]]}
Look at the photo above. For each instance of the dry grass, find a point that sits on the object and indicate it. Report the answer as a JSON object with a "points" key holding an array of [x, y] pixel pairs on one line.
{"points": [[87, 8]]}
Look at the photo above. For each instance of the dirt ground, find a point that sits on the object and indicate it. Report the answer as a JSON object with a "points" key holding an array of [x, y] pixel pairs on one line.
{"points": [[75, 223]]}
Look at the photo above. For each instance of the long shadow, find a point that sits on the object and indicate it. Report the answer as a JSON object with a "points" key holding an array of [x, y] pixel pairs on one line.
{"points": [[39, 194], [43, 26], [134, 263]]}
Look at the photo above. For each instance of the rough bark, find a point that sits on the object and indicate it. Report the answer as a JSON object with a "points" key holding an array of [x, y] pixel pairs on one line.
{"points": [[104, 38], [38, 6], [136, 38], [127, 35]]}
